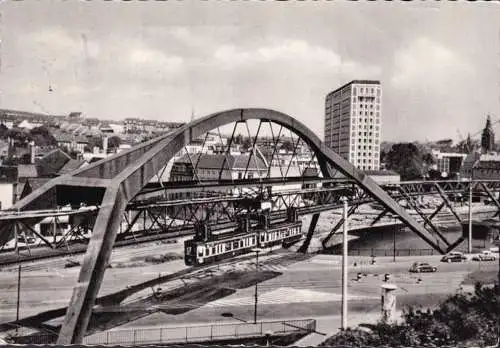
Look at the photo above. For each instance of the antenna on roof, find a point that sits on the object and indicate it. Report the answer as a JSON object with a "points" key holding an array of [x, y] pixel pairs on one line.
{"points": [[192, 113]]}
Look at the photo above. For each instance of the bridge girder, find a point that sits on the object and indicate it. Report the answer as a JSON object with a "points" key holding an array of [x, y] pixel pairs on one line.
{"points": [[122, 176]]}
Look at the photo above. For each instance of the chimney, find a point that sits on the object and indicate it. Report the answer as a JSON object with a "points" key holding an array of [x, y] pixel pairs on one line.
{"points": [[105, 145], [10, 149], [32, 152]]}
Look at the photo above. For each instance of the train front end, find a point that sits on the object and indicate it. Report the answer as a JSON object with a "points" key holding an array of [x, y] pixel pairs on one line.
{"points": [[189, 252]]}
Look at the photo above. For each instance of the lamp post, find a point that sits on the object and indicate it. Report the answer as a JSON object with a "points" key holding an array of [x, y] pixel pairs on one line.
{"points": [[497, 243], [344, 268], [18, 296], [394, 240], [470, 217], [257, 251]]}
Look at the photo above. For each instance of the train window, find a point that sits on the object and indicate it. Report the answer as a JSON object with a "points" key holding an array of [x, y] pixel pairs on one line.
{"points": [[235, 245], [241, 244], [262, 237], [200, 251], [213, 250], [207, 251], [228, 246], [253, 240]]}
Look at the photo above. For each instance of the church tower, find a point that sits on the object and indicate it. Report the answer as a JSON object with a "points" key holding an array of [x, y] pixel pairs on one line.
{"points": [[488, 137]]}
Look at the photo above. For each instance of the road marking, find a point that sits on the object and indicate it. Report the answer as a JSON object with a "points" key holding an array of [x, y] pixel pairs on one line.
{"points": [[284, 296]]}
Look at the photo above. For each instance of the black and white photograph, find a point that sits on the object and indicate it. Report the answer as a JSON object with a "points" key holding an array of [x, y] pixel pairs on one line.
{"points": [[250, 173]]}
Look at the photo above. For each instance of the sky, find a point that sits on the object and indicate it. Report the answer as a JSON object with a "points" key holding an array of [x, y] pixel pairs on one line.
{"points": [[438, 63]]}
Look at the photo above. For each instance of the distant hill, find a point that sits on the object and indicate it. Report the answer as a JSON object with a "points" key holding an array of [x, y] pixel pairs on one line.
{"points": [[16, 114]]}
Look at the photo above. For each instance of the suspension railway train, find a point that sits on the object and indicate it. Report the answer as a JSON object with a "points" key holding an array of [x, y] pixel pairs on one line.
{"points": [[207, 247]]}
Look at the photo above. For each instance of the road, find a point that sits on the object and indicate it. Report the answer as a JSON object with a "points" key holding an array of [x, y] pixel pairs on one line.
{"points": [[306, 289], [313, 288]]}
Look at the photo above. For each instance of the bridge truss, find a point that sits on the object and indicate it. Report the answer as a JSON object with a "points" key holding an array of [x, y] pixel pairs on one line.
{"points": [[126, 197]]}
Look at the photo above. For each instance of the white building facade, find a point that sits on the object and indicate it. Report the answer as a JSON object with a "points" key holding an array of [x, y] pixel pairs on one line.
{"points": [[353, 123]]}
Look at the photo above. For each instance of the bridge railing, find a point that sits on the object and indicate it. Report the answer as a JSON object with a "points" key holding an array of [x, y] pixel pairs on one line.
{"points": [[184, 334], [390, 252], [203, 333]]}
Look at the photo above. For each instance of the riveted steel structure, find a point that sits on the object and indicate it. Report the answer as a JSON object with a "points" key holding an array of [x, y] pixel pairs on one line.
{"points": [[114, 183]]}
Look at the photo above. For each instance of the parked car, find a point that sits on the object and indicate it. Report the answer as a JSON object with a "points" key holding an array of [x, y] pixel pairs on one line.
{"points": [[418, 267], [485, 255], [454, 257]]}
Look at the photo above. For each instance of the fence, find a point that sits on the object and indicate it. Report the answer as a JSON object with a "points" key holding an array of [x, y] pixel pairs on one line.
{"points": [[390, 252], [193, 334]]}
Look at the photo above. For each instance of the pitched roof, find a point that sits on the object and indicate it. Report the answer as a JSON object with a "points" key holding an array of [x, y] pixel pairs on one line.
{"points": [[70, 166], [27, 171], [52, 162], [381, 172], [32, 184], [215, 161]]}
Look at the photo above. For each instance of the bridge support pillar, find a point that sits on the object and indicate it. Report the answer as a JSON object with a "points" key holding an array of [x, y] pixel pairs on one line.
{"points": [[312, 226], [94, 265]]}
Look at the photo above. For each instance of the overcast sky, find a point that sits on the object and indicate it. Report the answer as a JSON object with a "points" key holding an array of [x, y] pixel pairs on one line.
{"points": [[438, 62]]}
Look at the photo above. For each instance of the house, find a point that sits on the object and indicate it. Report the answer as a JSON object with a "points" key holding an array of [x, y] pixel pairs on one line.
{"points": [[481, 166], [487, 167], [8, 186]]}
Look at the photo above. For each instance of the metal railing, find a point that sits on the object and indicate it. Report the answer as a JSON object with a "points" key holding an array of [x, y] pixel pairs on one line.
{"points": [[390, 252], [203, 333]]}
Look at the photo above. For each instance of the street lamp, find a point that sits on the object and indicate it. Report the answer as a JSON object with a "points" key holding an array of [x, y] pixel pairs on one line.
{"points": [[470, 216], [18, 296], [257, 251], [344, 266]]}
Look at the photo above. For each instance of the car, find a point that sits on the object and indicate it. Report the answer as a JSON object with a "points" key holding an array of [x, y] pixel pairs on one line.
{"points": [[485, 255], [454, 257], [419, 267]]}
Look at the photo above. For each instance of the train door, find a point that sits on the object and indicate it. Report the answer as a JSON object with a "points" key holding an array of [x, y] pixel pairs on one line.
{"points": [[200, 254]]}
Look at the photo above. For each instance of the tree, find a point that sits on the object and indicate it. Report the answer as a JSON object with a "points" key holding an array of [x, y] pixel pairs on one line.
{"points": [[246, 144], [408, 160], [3, 131], [42, 136], [287, 145], [114, 142], [18, 135], [95, 142], [465, 319]]}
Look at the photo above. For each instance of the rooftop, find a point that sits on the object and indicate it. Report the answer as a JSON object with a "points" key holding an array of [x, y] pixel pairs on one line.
{"points": [[381, 172], [215, 161], [362, 82]]}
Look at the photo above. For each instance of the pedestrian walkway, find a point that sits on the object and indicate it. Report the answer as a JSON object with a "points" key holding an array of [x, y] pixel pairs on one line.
{"points": [[283, 295]]}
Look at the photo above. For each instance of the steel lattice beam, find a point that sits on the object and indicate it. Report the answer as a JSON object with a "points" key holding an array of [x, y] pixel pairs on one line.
{"points": [[117, 180]]}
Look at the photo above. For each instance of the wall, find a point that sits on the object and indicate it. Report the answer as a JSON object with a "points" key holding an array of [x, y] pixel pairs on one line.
{"points": [[7, 195]]}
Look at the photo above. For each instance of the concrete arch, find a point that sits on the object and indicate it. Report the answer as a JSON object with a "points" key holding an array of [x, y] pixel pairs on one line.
{"points": [[123, 176]]}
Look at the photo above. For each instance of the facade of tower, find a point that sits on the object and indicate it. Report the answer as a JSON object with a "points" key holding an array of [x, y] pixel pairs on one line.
{"points": [[353, 123]]}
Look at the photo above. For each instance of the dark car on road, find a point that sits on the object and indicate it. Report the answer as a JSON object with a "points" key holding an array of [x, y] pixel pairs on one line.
{"points": [[454, 257], [419, 267]]}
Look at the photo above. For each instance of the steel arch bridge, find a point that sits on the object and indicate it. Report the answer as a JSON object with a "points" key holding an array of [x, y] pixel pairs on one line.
{"points": [[114, 183]]}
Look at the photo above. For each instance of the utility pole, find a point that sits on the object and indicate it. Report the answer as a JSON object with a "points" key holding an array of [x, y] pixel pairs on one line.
{"points": [[470, 217], [344, 269], [18, 297], [256, 285], [394, 241]]}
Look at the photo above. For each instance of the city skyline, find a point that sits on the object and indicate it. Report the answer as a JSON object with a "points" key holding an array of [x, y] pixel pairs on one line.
{"points": [[162, 60]]}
